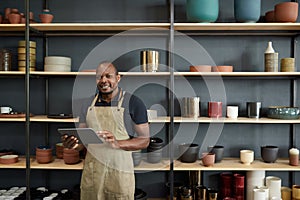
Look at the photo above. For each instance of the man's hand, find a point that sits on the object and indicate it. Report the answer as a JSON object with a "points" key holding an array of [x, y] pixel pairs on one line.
{"points": [[109, 138], [70, 142]]}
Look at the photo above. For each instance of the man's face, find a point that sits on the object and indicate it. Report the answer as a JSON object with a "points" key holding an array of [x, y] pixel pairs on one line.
{"points": [[106, 78]]}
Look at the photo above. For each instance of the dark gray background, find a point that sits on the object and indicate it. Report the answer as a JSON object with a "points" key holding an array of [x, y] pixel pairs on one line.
{"points": [[245, 53]]}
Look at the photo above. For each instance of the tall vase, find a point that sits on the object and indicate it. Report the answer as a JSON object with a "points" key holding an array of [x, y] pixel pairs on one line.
{"points": [[202, 10], [247, 10]]}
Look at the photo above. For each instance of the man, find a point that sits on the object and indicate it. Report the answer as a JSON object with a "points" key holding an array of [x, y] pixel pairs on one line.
{"points": [[117, 117]]}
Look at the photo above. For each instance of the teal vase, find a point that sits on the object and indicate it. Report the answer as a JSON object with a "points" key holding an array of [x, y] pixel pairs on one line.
{"points": [[202, 10], [247, 10]]}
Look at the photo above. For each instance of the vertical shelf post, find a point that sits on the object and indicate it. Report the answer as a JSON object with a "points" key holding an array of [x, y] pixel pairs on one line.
{"points": [[27, 101]]}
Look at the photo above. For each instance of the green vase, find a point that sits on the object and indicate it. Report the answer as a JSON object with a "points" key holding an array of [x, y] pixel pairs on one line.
{"points": [[202, 10]]}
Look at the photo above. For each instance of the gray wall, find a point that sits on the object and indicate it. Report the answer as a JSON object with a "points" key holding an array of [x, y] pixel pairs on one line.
{"points": [[245, 53]]}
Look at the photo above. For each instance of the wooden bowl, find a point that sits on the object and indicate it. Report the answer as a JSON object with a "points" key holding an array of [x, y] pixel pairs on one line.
{"points": [[200, 68], [286, 12], [222, 68], [9, 159]]}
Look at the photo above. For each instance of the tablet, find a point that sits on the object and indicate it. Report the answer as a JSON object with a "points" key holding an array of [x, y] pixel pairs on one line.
{"points": [[85, 135]]}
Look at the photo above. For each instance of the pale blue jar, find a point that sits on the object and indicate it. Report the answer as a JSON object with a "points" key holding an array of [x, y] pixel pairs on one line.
{"points": [[202, 10], [247, 10]]}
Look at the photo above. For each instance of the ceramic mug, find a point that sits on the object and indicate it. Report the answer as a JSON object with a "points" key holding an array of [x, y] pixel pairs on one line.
{"points": [[215, 109], [5, 110], [232, 112]]}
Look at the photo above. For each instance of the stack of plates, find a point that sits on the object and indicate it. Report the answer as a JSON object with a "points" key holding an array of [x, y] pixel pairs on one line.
{"points": [[22, 55], [57, 64]]}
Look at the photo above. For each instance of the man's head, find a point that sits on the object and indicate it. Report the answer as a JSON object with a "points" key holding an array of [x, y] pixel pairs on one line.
{"points": [[107, 78]]}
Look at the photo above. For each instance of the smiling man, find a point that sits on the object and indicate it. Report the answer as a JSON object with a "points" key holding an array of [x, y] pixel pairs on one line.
{"points": [[120, 119]]}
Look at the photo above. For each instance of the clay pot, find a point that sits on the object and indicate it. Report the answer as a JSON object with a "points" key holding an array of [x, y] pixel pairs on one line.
{"points": [[14, 17], [189, 152], [71, 156], [208, 159], [270, 16], [269, 153], [200, 68], [43, 154], [286, 12], [46, 18], [59, 149], [9, 159], [222, 68]]}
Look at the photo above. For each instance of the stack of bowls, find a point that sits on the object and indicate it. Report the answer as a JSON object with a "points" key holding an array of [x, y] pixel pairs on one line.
{"points": [[22, 55], [57, 64], [71, 156], [137, 157], [59, 150], [154, 150]]}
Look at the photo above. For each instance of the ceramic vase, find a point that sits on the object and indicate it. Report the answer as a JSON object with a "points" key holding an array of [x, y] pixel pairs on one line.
{"points": [[202, 10], [247, 11]]}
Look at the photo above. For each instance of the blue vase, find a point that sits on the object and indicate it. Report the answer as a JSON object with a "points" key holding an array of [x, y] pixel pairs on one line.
{"points": [[247, 10], [202, 10]]}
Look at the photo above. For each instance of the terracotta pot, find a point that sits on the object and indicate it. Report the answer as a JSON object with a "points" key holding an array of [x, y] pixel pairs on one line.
{"points": [[286, 12], [222, 68], [59, 150], [44, 159], [200, 68], [14, 18], [43, 154], [46, 18], [270, 16], [71, 156], [208, 159]]}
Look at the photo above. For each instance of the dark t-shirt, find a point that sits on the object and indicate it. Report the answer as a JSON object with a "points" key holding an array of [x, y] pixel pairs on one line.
{"points": [[135, 111]]}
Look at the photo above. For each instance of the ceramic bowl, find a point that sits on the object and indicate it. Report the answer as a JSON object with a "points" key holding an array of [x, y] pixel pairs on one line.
{"points": [[156, 142], [137, 157], [222, 68], [270, 16], [200, 68], [283, 112], [9, 159], [286, 12], [154, 157]]}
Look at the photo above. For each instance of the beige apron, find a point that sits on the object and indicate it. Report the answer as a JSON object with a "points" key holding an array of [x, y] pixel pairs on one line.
{"points": [[108, 173]]}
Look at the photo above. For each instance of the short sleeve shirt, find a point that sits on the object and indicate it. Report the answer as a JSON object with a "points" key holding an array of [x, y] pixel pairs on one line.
{"points": [[135, 111]]}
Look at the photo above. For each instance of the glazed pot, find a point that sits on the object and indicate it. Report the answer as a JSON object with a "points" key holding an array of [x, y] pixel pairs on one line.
{"points": [[286, 12], [189, 152], [43, 154], [202, 10], [269, 153], [247, 11]]}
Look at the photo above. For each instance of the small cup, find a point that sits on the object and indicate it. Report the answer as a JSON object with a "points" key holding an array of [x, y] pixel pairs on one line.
{"points": [[286, 193], [218, 151], [269, 153], [208, 159], [247, 156], [253, 109], [232, 112], [215, 109], [294, 157], [296, 192], [5, 110], [287, 65]]}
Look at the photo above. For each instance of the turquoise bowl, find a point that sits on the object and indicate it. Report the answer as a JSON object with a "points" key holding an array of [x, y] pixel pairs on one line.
{"points": [[202, 10], [283, 112], [247, 11]]}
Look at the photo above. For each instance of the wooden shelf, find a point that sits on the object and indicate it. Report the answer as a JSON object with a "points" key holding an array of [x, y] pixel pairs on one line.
{"points": [[237, 26], [39, 118], [234, 164], [239, 74]]}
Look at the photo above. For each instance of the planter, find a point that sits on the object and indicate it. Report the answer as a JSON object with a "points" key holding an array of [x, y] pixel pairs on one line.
{"points": [[202, 10], [247, 11]]}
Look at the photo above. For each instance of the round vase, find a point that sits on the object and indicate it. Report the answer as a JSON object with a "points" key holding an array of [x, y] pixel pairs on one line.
{"points": [[202, 10], [247, 11]]}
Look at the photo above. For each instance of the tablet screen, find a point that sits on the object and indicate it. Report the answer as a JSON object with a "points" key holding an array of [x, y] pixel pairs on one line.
{"points": [[85, 135]]}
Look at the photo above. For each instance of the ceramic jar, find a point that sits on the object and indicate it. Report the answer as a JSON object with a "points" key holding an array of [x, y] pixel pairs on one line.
{"points": [[46, 16], [202, 10], [247, 11], [43, 154]]}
